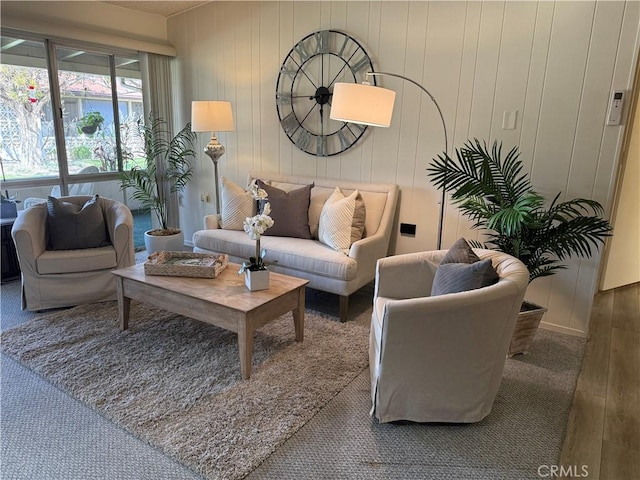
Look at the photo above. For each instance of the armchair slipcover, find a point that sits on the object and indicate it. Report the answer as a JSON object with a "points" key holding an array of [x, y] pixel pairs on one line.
{"points": [[441, 358], [62, 278]]}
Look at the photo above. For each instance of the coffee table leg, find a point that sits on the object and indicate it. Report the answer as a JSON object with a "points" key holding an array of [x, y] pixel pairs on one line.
{"points": [[298, 316], [245, 345], [124, 305]]}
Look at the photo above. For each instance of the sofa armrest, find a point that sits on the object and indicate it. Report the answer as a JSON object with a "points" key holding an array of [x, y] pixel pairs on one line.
{"points": [[366, 252], [30, 237], [212, 221], [406, 276], [120, 225]]}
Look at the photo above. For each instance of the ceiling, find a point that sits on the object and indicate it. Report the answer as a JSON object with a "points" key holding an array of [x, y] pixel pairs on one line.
{"points": [[163, 8]]}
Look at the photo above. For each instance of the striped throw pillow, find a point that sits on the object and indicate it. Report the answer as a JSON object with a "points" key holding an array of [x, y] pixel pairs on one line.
{"points": [[336, 218], [236, 205]]}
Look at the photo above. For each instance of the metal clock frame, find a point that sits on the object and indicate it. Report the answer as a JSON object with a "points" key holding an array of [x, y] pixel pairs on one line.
{"points": [[357, 63]]}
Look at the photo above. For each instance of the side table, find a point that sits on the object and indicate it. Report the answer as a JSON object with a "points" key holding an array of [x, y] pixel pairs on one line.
{"points": [[10, 265]]}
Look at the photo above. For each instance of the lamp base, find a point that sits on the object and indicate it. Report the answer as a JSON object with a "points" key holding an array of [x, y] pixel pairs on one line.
{"points": [[214, 149]]}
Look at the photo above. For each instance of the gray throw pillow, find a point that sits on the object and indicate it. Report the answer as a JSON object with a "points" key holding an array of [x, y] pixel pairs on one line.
{"points": [[75, 227], [460, 252], [460, 277], [289, 210]]}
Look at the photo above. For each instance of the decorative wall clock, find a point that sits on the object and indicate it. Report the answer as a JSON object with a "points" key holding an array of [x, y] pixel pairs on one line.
{"points": [[305, 86]]}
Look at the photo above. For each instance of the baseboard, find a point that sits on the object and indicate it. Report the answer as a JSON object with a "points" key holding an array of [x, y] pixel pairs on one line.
{"points": [[561, 329]]}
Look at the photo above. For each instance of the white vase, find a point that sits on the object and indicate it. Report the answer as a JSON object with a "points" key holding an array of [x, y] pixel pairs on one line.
{"points": [[256, 279], [163, 243]]}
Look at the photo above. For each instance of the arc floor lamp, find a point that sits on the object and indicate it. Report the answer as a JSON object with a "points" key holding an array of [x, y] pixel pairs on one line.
{"points": [[212, 116], [370, 105]]}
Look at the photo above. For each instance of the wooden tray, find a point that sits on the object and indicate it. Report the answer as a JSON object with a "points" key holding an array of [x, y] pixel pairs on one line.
{"points": [[186, 264]]}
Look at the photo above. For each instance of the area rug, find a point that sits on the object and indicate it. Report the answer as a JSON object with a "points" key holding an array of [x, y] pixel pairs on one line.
{"points": [[176, 384]]}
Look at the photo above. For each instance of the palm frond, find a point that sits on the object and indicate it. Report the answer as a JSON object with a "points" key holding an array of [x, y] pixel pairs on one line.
{"points": [[168, 165], [497, 196]]}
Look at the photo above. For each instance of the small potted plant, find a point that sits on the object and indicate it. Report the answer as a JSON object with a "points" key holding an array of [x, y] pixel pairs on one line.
{"points": [[255, 270], [90, 123], [152, 185], [495, 195]]}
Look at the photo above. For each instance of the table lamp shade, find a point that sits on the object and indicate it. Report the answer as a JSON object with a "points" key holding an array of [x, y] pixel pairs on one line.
{"points": [[361, 103], [211, 116]]}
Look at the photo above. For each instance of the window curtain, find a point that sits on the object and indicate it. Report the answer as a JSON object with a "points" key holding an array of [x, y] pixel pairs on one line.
{"points": [[157, 99]]}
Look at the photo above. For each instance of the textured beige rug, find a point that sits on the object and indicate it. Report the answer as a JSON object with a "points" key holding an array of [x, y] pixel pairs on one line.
{"points": [[175, 382]]}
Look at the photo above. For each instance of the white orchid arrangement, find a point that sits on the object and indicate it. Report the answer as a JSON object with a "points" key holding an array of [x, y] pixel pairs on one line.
{"points": [[255, 227]]}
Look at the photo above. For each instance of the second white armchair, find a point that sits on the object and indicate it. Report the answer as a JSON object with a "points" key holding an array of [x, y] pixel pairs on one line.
{"points": [[440, 358]]}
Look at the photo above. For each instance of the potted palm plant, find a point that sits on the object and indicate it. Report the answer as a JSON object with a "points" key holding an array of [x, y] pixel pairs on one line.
{"points": [[167, 169], [498, 198]]}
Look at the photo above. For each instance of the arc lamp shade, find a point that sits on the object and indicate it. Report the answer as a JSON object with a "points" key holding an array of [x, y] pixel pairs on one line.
{"points": [[363, 104]]}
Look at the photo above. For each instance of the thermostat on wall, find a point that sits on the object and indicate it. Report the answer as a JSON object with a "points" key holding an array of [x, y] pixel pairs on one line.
{"points": [[615, 108]]}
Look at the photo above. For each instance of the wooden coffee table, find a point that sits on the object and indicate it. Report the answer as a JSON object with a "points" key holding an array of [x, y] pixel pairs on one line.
{"points": [[223, 301]]}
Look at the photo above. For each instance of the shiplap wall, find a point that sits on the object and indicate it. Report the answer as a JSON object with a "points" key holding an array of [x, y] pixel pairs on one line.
{"points": [[555, 63]]}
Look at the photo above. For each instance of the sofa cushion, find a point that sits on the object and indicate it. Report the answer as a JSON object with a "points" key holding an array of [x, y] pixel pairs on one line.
{"points": [[76, 261], [72, 226], [318, 198], [294, 254], [374, 196], [289, 211], [236, 205], [460, 252], [460, 277], [336, 220]]}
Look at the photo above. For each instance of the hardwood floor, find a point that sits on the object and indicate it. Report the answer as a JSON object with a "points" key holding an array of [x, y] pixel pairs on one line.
{"points": [[603, 433]]}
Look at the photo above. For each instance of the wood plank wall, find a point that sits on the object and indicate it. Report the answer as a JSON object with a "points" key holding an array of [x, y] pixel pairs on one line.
{"points": [[555, 63]]}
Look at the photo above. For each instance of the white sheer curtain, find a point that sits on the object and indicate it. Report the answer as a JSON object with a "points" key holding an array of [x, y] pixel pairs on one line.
{"points": [[157, 99]]}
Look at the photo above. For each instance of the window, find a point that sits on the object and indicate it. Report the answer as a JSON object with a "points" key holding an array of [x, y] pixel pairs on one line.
{"points": [[97, 95], [67, 119], [28, 142]]}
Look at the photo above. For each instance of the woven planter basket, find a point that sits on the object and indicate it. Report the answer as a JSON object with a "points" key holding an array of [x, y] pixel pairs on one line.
{"points": [[526, 328]]}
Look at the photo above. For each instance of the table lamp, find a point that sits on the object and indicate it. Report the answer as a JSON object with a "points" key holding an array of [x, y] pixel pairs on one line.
{"points": [[212, 116]]}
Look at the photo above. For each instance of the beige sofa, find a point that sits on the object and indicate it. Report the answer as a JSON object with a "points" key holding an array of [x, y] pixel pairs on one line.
{"points": [[440, 358], [63, 278], [326, 269]]}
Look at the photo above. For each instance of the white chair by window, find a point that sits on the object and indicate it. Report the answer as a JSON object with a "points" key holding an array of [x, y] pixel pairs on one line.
{"points": [[79, 274], [75, 189]]}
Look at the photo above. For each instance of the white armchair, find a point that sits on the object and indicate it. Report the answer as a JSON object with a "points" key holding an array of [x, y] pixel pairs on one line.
{"points": [[75, 189], [441, 358], [62, 278]]}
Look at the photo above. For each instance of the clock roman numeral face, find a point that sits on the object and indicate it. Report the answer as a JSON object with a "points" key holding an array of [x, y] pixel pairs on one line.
{"points": [[304, 91]]}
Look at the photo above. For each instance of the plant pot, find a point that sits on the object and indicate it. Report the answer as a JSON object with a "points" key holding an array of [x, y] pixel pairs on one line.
{"points": [[163, 243], [256, 279], [526, 328], [89, 129]]}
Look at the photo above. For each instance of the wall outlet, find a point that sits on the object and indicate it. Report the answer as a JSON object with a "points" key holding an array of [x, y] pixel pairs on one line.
{"points": [[408, 229]]}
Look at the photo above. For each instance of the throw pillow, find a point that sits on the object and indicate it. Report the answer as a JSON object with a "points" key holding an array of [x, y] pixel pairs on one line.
{"points": [[336, 219], [237, 204], [460, 277], [359, 218], [460, 252], [289, 210], [73, 226]]}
